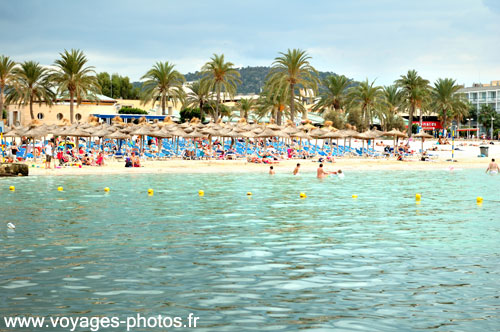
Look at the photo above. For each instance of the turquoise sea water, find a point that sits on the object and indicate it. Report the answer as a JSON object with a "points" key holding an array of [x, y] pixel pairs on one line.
{"points": [[269, 262]]}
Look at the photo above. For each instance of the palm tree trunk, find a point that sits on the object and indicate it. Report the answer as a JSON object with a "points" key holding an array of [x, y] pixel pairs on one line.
{"points": [[279, 115], [170, 110], [1, 102], [163, 104], [31, 108], [71, 96], [217, 104], [292, 99], [201, 111], [410, 119]]}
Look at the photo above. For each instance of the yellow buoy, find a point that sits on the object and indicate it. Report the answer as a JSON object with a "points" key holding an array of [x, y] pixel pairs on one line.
{"points": [[150, 191], [249, 193], [303, 195], [354, 196], [201, 193], [479, 200], [418, 197], [59, 188], [12, 188], [106, 189]]}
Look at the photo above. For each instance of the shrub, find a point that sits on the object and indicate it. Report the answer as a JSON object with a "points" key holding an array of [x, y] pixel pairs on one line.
{"points": [[188, 113], [131, 110]]}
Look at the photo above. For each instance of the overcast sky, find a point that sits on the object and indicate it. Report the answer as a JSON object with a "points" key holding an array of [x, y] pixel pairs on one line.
{"points": [[360, 39]]}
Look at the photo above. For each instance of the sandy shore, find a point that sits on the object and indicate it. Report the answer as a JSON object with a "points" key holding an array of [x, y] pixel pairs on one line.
{"points": [[237, 166], [466, 157]]}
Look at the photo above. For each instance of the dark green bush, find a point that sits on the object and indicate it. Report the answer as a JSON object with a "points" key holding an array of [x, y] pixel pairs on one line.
{"points": [[131, 110]]}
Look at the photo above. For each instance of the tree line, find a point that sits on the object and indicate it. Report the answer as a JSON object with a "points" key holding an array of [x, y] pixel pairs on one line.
{"points": [[340, 99]]}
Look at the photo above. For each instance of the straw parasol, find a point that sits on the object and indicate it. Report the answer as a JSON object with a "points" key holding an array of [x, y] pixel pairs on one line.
{"points": [[396, 134], [195, 134], [78, 132], [290, 130], [15, 132], [423, 135], [267, 132], [301, 134], [118, 135]]}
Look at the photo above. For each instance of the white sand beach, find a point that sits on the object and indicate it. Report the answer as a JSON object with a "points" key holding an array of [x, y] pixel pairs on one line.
{"points": [[465, 157]]}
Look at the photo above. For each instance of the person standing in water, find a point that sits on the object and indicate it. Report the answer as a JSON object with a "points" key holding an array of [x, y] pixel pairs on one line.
{"points": [[493, 167], [48, 155], [321, 173], [296, 170], [271, 170]]}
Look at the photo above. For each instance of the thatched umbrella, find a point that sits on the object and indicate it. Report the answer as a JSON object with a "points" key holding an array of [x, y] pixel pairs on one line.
{"points": [[273, 126], [317, 133], [349, 133], [161, 134], [396, 134], [195, 134], [300, 134], [118, 135], [290, 130], [365, 136], [34, 133], [334, 135], [15, 132], [423, 135], [267, 132], [142, 130], [177, 132]]}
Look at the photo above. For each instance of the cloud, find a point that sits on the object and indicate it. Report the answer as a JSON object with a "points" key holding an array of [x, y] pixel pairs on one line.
{"points": [[362, 39]]}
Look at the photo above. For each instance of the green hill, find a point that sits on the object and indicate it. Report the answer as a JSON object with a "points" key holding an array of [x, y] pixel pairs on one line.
{"points": [[252, 78]]}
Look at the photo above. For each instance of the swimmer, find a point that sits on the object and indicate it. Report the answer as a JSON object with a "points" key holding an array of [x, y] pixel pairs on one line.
{"points": [[340, 174], [493, 168], [271, 170], [321, 172], [296, 170]]}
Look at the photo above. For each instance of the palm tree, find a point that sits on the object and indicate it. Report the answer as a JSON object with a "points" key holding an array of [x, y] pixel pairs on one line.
{"points": [[415, 90], [197, 96], [393, 98], [31, 85], [390, 120], [391, 104], [245, 105], [447, 102], [6, 77], [73, 77], [290, 71], [220, 77], [367, 98], [272, 103], [163, 82], [335, 96]]}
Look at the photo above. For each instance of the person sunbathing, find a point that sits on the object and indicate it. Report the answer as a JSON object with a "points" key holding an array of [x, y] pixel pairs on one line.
{"points": [[86, 160]]}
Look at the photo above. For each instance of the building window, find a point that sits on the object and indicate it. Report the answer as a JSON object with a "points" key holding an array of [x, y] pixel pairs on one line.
{"points": [[78, 116], [60, 116], [40, 116]]}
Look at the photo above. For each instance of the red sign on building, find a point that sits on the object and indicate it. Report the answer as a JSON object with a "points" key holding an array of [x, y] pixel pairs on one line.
{"points": [[429, 125]]}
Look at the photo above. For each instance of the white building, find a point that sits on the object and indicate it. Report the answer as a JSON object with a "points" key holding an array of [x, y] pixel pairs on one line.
{"points": [[484, 94]]}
